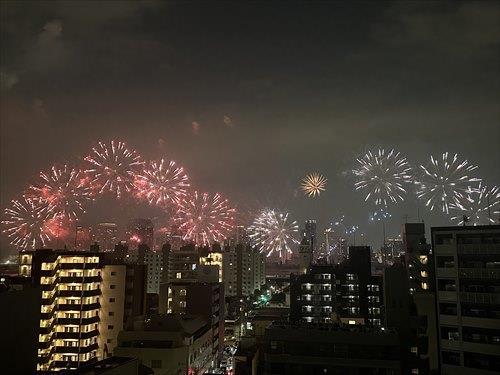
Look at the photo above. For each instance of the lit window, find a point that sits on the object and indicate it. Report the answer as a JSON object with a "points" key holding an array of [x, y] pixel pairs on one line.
{"points": [[182, 292], [425, 286], [351, 322], [423, 259], [423, 273], [178, 275]]}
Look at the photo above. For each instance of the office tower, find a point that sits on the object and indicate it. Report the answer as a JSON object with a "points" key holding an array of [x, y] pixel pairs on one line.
{"points": [[467, 261], [169, 344], [183, 264], [140, 231], [418, 257], [83, 237], [310, 234], [204, 299], [83, 304], [105, 235], [305, 255]]}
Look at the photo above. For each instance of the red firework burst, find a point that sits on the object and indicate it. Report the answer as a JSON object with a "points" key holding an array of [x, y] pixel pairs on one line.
{"points": [[66, 190], [162, 183], [113, 168], [205, 219]]}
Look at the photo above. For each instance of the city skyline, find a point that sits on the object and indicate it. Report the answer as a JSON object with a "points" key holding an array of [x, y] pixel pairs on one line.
{"points": [[268, 112]]}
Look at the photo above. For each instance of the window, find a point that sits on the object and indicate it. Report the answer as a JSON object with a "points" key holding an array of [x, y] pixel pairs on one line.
{"points": [[110, 326], [111, 313], [112, 286], [113, 273], [112, 300], [182, 304], [178, 275], [182, 292], [109, 341], [156, 363]]}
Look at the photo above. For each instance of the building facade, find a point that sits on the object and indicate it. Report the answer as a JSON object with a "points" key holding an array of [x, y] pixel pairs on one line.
{"points": [[467, 269]]}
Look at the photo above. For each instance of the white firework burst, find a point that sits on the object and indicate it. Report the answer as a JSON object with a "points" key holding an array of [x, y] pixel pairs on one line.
{"points": [[383, 176], [272, 232], [481, 207], [445, 182]]}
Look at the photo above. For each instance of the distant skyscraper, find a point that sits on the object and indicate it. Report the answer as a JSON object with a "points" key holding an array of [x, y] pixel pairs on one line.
{"points": [[141, 231], [105, 234], [310, 233]]}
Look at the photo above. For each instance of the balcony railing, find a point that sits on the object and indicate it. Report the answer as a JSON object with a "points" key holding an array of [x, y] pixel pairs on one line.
{"points": [[486, 249], [479, 273], [486, 298]]}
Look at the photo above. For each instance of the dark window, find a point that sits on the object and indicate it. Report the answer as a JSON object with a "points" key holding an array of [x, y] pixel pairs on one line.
{"points": [[156, 363], [113, 273], [111, 313], [112, 286], [112, 300], [110, 327]]}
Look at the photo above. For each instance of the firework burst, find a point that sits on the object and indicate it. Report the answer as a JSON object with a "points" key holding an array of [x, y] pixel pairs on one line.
{"points": [[113, 168], [272, 232], [313, 184], [480, 207], [65, 190], [446, 182], [25, 223], [383, 176], [205, 219], [162, 183]]}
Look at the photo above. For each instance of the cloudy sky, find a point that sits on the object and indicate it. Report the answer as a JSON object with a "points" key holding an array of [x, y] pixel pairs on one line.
{"points": [[251, 97]]}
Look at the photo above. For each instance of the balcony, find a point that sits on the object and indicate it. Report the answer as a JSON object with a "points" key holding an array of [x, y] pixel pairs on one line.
{"points": [[447, 296], [80, 293], [479, 273], [79, 279], [78, 321], [483, 249], [77, 335], [486, 298], [449, 273], [78, 307], [75, 349]]}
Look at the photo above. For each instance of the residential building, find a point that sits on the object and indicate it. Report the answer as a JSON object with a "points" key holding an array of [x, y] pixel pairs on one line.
{"points": [[294, 349], [169, 344], [84, 302], [467, 269], [183, 264], [204, 299]]}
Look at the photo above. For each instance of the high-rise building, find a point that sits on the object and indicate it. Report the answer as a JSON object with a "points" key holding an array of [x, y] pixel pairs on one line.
{"points": [[183, 264], [105, 235], [305, 255], [141, 231], [467, 272], [418, 257], [205, 299], [419, 262], [83, 302], [310, 234], [346, 293]]}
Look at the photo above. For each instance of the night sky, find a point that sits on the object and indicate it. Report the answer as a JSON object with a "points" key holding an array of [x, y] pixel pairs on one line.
{"points": [[251, 97]]}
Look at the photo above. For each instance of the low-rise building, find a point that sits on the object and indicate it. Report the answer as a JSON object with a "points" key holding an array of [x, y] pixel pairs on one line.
{"points": [[169, 344]]}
